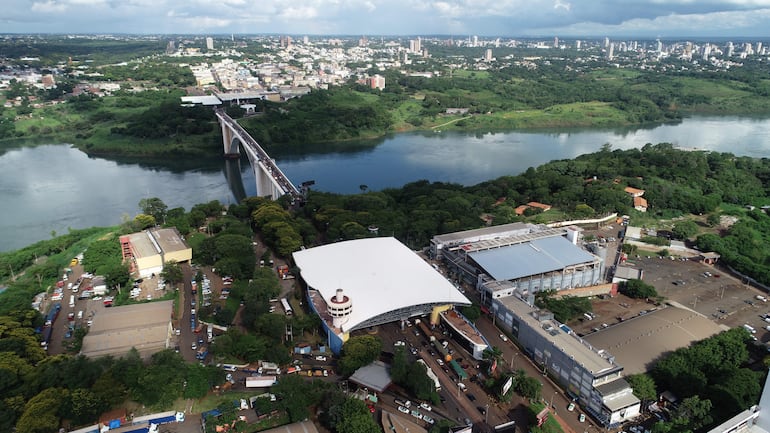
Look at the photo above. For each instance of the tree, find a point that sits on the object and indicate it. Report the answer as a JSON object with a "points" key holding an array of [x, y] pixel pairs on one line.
{"points": [[172, 272], [643, 386], [638, 289], [143, 221], [526, 386], [359, 351], [41, 412], [685, 229], [472, 312], [492, 355], [155, 207], [355, 418], [693, 412]]}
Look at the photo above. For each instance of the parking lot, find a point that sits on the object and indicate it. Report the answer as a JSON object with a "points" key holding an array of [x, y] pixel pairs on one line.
{"points": [[706, 289]]}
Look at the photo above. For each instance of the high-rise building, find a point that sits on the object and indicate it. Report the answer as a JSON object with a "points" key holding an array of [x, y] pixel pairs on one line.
{"points": [[415, 45], [730, 49], [488, 55], [209, 43], [706, 51], [577, 44], [606, 42], [556, 42], [475, 41], [611, 51], [305, 40]]}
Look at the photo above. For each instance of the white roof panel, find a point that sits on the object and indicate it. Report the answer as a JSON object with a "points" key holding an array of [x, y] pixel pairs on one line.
{"points": [[379, 275]]}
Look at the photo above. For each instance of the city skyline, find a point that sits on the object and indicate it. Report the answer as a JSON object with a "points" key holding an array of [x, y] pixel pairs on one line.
{"points": [[533, 18]]}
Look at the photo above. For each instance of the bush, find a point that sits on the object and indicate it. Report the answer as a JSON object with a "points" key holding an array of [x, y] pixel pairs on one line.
{"points": [[638, 289]]}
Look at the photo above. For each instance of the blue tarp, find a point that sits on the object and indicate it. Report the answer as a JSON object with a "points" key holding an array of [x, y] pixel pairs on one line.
{"points": [[141, 430], [164, 420], [212, 412]]}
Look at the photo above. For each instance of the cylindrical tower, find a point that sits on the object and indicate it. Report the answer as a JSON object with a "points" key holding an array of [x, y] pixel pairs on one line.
{"points": [[339, 307]]}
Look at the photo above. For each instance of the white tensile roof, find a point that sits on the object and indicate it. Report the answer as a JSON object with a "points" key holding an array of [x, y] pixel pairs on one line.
{"points": [[377, 274]]}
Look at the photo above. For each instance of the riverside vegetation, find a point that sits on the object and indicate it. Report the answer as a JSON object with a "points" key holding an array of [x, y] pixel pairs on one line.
{"points": [[680, 187]]}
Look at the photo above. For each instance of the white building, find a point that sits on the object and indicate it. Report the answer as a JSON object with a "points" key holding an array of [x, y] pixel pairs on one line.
{"points": [[362, 283]]}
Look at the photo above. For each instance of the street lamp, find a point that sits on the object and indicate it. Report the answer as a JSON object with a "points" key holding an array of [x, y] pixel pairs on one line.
{"points": [[554, 395]]}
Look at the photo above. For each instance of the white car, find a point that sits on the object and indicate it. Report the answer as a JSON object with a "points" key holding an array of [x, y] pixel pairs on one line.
{"points": [[320, 358], [503, 337], [582, 417], [571, 407], [440, 362], [426, 406], [402, 409]]}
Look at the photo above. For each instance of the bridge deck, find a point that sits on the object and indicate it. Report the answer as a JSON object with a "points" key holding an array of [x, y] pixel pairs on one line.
{"points": [[264, 158]]}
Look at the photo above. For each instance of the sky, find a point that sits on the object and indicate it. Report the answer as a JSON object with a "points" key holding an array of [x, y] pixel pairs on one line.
{"points": [[533, 18]]}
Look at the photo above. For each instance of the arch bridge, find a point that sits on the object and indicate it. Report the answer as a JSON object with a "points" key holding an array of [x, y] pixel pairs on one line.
{"points": [[271, 181]]}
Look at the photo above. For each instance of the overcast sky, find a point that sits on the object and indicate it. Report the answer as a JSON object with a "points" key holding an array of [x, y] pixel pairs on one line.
{"points": [[548, 18]]}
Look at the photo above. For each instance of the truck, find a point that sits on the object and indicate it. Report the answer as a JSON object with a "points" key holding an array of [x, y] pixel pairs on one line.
{"points": [[268, 368], [202, 352], [260, 381], [194, 287]]}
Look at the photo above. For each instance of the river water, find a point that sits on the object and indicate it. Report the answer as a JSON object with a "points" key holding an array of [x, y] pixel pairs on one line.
{"points": [[55, 187]]}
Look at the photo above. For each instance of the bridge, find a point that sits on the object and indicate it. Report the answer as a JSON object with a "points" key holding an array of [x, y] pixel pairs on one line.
{"points": [[270, 179]]}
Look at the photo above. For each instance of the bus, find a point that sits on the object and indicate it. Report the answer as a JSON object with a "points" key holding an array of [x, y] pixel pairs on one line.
{"points": [[286, 306]]}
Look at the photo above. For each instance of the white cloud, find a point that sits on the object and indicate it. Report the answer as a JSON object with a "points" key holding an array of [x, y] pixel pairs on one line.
{"points": [[482, 17], [47, 7]]}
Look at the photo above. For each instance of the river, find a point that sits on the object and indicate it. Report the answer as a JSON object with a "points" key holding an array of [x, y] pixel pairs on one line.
{"points": [[52, 188]]}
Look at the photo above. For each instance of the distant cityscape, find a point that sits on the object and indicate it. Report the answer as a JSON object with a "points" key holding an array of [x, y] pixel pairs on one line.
{"points": [[282, 67]]}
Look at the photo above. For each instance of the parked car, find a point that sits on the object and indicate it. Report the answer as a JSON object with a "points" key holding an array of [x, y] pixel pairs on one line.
{"points": [[571, 407], [582, 417], [402, 409]]}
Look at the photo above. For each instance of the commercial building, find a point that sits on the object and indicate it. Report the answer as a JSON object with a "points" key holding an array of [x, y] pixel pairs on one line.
{"points": [[358, 284], [147, 252], [114, 331], [508, 264], [587, 373], [519, 257]]}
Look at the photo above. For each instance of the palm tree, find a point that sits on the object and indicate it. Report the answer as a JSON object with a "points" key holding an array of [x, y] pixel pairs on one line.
{"points": [[493, 355]]}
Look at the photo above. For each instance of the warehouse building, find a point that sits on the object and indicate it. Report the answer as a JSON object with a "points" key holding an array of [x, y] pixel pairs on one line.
{"points": [[146, 252], [114, 331]]}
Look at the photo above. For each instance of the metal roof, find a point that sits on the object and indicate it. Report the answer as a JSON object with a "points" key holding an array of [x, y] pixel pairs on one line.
{"points": [[531, 258], [380, 275]]}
